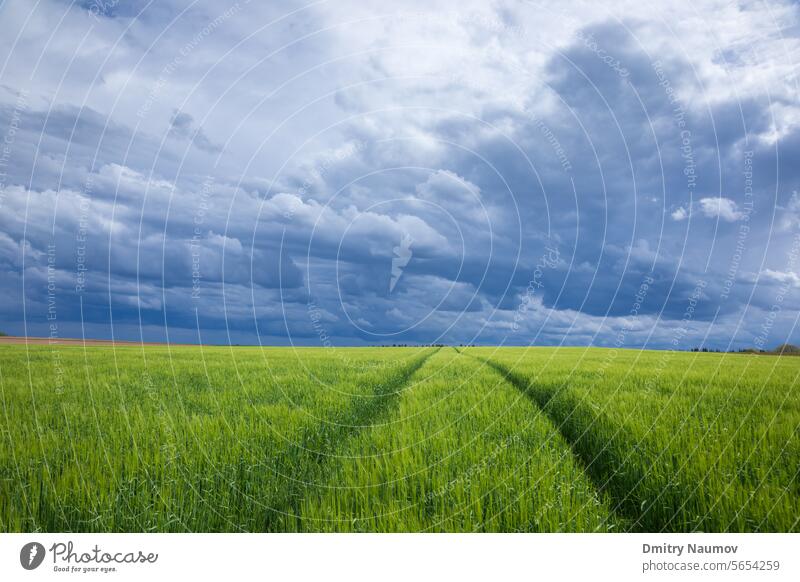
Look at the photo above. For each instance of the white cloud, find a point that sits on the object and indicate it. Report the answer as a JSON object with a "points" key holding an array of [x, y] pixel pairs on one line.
{"points": [[717, 207], [722, 208], [789, 277], [789, 216], [440, 98], [680, 214]]}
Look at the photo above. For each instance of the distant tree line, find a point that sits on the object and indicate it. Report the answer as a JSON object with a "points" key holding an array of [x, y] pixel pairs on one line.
{"points": [[781, 350], [413, 346]]}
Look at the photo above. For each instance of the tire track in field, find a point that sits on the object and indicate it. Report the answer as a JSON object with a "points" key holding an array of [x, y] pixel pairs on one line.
{"points": [[590, 440], [308, 461]]}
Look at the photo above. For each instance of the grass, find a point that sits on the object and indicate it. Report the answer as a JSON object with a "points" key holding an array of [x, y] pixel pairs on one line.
{"points": [[396, 439], [681, 442]]}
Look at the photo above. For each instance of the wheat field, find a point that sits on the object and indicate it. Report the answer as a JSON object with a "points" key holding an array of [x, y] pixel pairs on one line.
{"points": [[207, 439]]}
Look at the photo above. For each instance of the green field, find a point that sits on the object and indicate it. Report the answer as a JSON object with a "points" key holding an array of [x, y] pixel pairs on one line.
{"points": [[397, 439]]}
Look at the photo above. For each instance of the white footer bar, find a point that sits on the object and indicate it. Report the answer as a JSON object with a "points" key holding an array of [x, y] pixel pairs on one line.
{"points": [[389, 557]]}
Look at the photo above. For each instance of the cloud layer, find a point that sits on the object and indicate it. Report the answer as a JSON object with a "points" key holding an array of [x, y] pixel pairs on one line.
{"points": [[510, 172]]}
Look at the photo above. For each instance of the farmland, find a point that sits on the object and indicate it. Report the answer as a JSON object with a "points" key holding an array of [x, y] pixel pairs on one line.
{"points": [[396, 439]]}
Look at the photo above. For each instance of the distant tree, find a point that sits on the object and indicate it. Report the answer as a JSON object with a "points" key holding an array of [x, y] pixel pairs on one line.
{"points": [[3, 334], [787, 350]]}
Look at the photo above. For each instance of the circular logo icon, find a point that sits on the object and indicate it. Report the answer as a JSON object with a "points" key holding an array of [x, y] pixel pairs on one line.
{"points": [[31, 555]]}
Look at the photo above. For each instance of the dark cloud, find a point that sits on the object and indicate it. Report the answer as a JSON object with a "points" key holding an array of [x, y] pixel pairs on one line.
{"points": [[182, 126], [455, 177]]}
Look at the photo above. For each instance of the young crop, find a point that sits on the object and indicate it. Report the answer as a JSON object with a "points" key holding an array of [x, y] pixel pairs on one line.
{"points": [[396, 439]]}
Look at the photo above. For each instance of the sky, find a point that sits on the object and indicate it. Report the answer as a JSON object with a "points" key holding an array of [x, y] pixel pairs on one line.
{"points": [[358, 172]]}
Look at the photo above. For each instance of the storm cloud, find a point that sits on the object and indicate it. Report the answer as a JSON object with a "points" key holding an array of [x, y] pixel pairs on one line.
{"points": [[502, 173]]}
